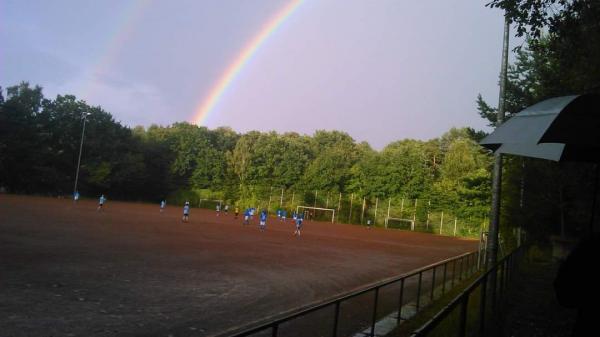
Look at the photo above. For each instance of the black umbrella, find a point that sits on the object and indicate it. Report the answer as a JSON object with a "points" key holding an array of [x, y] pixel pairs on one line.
{"points": [[560, 129]]}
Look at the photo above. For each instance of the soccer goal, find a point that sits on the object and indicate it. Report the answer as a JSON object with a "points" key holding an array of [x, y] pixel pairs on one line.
{"points": [[316, 213], [210, 203], [400, 223]]}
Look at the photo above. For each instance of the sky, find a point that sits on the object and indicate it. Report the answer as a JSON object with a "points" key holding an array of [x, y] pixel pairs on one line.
{"points": [[379, 70]]}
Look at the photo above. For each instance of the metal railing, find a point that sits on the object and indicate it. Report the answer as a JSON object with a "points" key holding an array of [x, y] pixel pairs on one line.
{"points": [[452, 270], [486, 292]]}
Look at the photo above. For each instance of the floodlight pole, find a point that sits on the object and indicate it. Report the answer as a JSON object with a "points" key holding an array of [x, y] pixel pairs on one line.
{"points": [[85, 114], [492, 248]]}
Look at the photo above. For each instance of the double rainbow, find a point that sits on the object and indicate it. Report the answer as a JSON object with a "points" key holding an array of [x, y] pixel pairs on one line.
{"points": [[204, 109]]}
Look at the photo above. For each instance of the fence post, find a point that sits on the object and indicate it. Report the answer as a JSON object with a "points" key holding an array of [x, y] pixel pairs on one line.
{"points": [[444, 278], [419, 290], [374, 312], [441, 222], [315, 205], [350, 214], [400, 301], [339, 205], [414, 215], [293, 196], [433, 283], [336, 318], [269, 205], [376, 204], [401, 207], [388, 212], [428, 210], [362, 215], [453, 273], [327, 201], [455, 221], [462, 327], [482, 305], [281, 199]]}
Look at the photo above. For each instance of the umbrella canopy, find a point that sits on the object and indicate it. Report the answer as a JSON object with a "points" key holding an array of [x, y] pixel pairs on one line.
{"points": [[561, 129]]}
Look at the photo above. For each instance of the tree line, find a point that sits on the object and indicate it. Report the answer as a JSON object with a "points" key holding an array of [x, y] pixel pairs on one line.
{"points": [[40, 138]]}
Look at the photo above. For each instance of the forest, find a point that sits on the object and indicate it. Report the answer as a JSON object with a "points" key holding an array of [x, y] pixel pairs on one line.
{"points": [[40, 140]]}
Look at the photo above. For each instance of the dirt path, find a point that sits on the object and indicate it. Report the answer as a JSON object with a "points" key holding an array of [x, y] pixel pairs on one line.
{"points": [[67, 270]]}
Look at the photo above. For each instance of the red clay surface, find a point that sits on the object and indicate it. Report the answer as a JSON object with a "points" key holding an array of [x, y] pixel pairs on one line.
{"points": [[67, 270]]}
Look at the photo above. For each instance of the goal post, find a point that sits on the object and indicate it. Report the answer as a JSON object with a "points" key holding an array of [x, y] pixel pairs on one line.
{"points": [[400, 223], [317, 211]]}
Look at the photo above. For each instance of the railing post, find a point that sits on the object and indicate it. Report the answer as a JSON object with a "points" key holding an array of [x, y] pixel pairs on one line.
{"points": [[482, 304], [460, 272], [433, 283], [444, 278], [419, 290], [336, 318], [453, 273], [374, 312], [462, 324], [400, 301], [274, 331]]}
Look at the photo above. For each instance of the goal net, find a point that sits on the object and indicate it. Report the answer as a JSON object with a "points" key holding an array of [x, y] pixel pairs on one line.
{"points": [[398, 223], [316, 213]]}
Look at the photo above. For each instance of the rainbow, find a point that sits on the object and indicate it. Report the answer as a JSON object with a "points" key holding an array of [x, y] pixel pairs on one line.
{"points": [[205, 107], [128, 19]]}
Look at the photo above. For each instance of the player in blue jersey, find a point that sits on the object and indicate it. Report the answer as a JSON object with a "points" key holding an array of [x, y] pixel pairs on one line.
{"points": [[186, 212], [263, 220], [101, 202], [298, 225], [283, 215], [247, 216]]}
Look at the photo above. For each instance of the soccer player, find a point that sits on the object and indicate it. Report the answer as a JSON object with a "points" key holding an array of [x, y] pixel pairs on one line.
{"points": [[218, 209], [76, 196], [247, 216], [298, 226], [237, 211], [101, 202], [226, 209], [163, 203], [279, 214], [263, 220], [369, 223], [283, 215], [186, 212], [294, 215]]}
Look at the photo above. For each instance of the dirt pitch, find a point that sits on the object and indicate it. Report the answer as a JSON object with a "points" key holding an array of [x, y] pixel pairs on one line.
{"points": [[67, 270]]}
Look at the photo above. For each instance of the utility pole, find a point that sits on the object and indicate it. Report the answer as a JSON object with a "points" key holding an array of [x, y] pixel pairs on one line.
{"points": [[84, 117], [492, 248]]}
